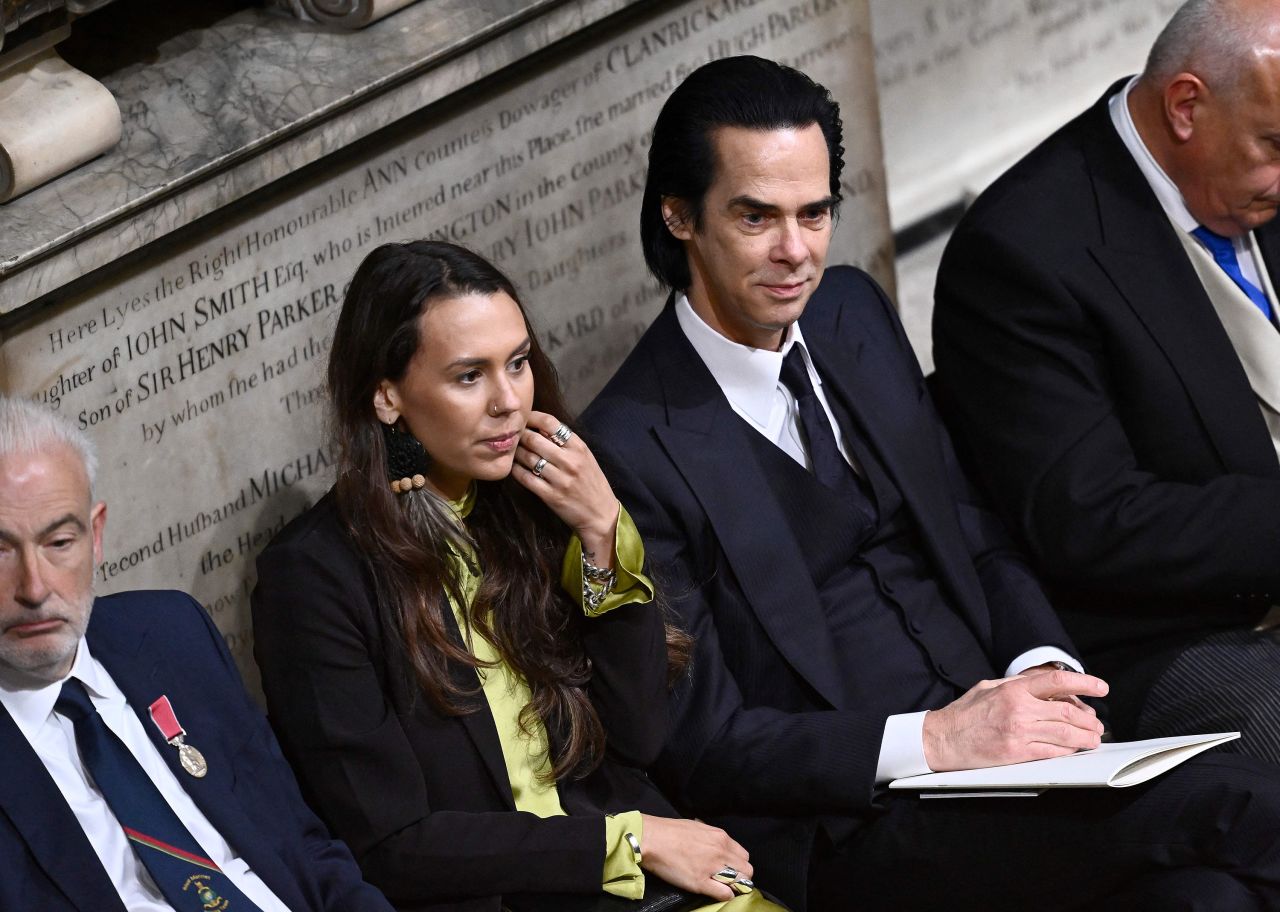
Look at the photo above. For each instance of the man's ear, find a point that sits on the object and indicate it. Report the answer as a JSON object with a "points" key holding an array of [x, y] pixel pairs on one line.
{"points": [[386, 402], [1184, 96], [97, 521], [675, 212]]}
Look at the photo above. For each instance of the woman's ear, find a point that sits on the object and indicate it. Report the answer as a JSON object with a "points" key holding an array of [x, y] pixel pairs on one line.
{"points": [[386, 402]]}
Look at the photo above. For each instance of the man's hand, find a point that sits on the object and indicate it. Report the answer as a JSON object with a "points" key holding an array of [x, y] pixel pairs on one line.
{"points": [[1032, 716]]}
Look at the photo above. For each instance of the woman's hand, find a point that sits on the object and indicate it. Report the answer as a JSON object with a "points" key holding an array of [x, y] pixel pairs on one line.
{"points": [[569, 481], [686, 853]]}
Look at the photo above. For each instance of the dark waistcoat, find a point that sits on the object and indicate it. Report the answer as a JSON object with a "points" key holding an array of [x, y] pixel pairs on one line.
{"points": [[899, 643]]}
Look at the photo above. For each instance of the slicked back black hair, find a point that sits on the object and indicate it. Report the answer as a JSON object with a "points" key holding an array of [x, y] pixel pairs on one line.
{"points": [[747, 92]]}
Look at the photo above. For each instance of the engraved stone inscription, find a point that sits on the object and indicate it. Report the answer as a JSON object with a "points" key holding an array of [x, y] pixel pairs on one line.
{"points": [[199, 369], [966, 86]]}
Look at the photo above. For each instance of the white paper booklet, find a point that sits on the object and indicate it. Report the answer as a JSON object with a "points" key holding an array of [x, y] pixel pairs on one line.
{"points": [[1112, 765]]}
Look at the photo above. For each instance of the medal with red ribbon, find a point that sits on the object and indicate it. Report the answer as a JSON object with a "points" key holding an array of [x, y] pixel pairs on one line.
{"points": [[166, 720]]}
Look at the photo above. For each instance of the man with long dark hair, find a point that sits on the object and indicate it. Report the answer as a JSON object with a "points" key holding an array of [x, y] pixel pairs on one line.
{"points": [[857, 615]]}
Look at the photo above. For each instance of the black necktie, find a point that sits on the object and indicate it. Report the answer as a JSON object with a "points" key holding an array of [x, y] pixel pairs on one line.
{"points": [[187, 878], [829, 465]]}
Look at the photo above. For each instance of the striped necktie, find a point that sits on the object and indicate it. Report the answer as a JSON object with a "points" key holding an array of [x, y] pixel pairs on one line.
{"points": [[1224, 254], [186, 877]]}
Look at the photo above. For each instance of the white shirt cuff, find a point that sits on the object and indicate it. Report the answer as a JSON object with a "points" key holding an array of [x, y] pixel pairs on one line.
{"points": [[1038, 656], [902, 748]]}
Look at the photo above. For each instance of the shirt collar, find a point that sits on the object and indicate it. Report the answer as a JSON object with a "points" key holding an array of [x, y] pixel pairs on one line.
{"points": [[747, 376], [462, 508], [1166, 191], [30, 707]]}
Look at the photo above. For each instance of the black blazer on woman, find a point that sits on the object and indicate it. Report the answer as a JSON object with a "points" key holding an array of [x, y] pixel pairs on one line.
{"points": [[423, 798]]}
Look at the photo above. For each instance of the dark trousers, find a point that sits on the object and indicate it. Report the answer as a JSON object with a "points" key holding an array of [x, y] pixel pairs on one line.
{"points": [[1204, 836], [1229, 681]]}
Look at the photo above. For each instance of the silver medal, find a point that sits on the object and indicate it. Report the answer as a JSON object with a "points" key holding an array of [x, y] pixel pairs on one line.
{"points": [[191, 759]]}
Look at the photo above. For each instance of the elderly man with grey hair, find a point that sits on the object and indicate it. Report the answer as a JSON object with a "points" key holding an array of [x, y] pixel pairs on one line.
{"points": [[1105, 333], [135, 773]]}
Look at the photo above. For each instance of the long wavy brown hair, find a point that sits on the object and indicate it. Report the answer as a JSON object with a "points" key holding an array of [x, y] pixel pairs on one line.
{"points": [[405, 539]]}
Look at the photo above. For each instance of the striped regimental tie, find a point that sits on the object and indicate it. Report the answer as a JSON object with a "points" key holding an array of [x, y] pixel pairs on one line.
{"points": [[187, 878]]}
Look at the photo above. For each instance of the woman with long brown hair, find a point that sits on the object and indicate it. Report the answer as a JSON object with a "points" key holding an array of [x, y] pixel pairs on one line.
{"points": [[460, 653]]}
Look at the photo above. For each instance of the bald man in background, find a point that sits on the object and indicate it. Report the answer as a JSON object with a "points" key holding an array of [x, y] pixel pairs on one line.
{"points": [[1105, 334]]}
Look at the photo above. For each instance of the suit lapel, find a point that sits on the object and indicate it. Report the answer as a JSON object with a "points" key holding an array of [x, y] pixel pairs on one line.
{"points": [[37, 810], [890, 415], [484, 735], [143, 672], [1268, 238], [1144, 260], [1252, 336], [478, 721], [701, 428]]}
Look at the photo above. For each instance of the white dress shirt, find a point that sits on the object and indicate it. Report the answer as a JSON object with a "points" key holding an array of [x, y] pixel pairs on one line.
{"points": [[52, 737], [1167, 192], [750, 379]]}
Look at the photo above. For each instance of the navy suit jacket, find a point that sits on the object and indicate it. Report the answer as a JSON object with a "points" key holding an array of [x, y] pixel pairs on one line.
{"points": [[764, 736], [163, 643], [1105, 406]]}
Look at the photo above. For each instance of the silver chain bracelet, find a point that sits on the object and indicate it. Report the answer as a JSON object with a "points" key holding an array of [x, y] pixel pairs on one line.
{"points": [[597, 584]]}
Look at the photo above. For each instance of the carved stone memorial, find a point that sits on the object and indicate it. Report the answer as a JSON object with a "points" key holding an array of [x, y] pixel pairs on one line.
{"points": [[198, 370], [341, 13], [52, 116]]}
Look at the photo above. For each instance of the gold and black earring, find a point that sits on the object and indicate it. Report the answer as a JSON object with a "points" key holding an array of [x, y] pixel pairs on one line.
{"points": [[407, 460]]}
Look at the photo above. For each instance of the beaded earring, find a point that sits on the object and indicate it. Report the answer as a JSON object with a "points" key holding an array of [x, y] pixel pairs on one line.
{"points": [[407, 460]]}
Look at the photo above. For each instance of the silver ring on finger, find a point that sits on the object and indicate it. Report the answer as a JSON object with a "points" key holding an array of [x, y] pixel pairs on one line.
{"points": [[726, 875], [562, 435], [539, 466]]}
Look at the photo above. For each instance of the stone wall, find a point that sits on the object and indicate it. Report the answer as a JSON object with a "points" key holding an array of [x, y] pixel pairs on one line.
{"points": [[197, 366], [968, 86]]}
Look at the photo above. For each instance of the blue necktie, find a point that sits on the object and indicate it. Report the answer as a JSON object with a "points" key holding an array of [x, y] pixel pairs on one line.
{"points": [[1224, 254], [187, 878], [829, 465]]}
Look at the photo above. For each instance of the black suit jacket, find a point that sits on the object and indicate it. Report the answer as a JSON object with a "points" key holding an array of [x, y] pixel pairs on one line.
{"points": [[423, 798], [163, 643], [1106, 408], [763, 736]]}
